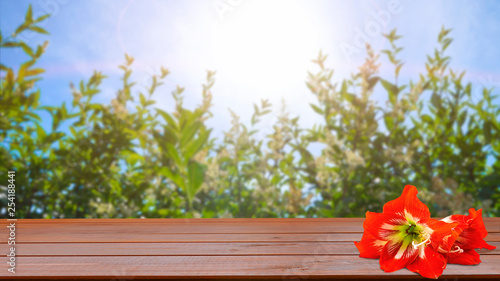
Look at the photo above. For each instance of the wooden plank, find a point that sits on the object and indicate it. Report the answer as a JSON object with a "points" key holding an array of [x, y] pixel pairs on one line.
{"points": [[194, 249], [227, 226], [188, 228], [203, 220], [185, 249], [60, 228], [487, 220], [105, 234], [112, 237], [224, 266]]}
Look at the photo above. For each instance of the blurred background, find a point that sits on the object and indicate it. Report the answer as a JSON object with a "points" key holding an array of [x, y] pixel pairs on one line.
{"points": [[247, 108]]}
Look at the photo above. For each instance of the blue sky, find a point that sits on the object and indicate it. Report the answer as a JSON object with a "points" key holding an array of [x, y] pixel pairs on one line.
{"points": [[260, 49]]}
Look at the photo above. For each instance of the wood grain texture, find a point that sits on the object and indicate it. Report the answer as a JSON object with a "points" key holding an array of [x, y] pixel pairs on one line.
{"points": [[195, 249], [289, 225], [225, 266], [140, 230], [121, 249], [113, 237], [270, 226]]}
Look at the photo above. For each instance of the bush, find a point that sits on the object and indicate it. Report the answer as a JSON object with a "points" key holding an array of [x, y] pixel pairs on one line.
{"points": [[111, 162]]}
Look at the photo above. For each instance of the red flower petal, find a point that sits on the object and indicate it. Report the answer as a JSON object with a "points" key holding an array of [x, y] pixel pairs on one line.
{"points": [[408, 203], [383, 226], [486, 246], [470, 231], [477, 222], [469, 240], [369, 246], [429, 263], [443, 234], [404, 235], [397, 254], [468, 257]]}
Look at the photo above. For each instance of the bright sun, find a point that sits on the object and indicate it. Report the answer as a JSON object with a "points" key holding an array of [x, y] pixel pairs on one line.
{"points": [[268, 44]]}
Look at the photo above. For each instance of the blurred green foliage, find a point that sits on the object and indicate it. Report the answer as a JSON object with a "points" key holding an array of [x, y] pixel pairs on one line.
{"points": [[112, 162]]}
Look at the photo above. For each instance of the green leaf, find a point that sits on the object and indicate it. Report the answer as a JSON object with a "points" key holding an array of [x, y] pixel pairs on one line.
{"points": [[170, 121], [23, 70], [189, 132], [29, 15], [317, 109], [461, 118], [27, 49], [446, 43], [435, 100], [343, 90], [196, 175], [197, 145], [56, 119], [443, 33], [174, 177], [40, 131], [11, 44], [129, 59], [38, 29], [174, 154], [35, 71], [372, 82], [150, 102], [427, 119], [308, 159], [391, 89], [142, 99], [73, 131], [170, 136], [487, 131], [398, 68], [41, 18], [389, 122]]}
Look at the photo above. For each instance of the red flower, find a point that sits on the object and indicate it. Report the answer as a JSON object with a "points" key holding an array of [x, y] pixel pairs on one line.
{"points": [[469, 234], [404, 235]]}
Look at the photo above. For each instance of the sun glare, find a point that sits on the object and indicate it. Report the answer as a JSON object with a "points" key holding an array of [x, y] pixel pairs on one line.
{"points": [[265, 45]]}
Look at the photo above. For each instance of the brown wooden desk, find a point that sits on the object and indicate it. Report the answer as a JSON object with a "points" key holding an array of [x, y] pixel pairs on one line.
{"points": [[137, 249]]}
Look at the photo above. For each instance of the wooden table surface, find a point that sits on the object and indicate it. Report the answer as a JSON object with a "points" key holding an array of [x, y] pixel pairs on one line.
{"points": [[137, 249]]}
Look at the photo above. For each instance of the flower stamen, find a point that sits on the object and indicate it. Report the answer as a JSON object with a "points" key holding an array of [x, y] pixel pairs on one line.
{"points": [[427, 238], [457, 250]]}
